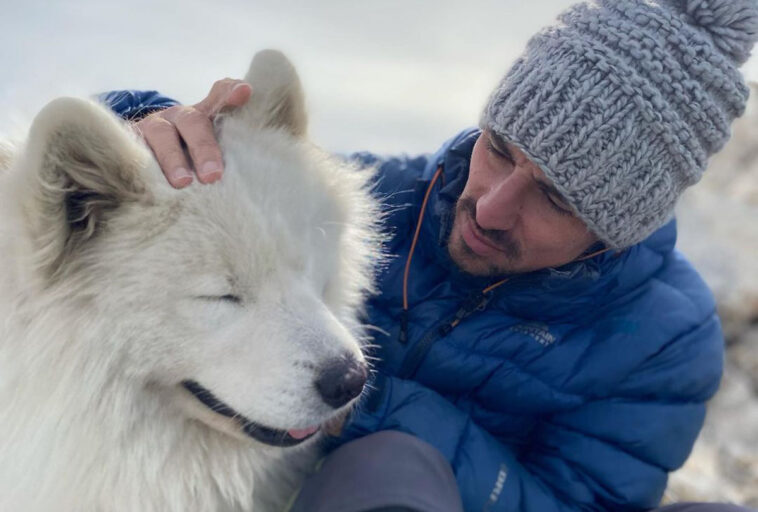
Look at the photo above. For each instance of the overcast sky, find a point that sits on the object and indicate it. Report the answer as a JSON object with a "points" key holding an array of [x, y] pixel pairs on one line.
{"points": [[388, 76]]}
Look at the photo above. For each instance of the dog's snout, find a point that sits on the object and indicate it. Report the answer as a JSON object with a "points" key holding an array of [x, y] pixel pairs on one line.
{"points": [[341, 380]]}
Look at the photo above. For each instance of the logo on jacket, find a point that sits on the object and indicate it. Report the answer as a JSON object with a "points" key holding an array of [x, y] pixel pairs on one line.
{"points": [[537, 331], [502, 474]]}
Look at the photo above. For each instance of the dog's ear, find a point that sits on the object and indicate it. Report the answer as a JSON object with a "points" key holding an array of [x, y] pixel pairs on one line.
{"points": [[278, 100], [79, 165]]}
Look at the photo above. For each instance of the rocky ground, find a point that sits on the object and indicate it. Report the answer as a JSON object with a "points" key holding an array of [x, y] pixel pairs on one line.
{"points": [[718, 230]]}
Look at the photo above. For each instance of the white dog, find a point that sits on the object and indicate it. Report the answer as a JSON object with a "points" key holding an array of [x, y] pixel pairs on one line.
{"points": [[164, 350]]}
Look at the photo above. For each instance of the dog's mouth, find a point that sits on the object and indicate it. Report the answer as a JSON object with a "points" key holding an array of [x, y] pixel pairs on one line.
{"points": [[266, 435]]}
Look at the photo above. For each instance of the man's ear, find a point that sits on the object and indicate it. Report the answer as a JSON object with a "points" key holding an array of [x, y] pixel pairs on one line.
{"points": [[80, 164], [278, 100]]}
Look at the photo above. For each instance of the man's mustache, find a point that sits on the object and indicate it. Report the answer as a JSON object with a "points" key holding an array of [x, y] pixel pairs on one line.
{"points": [[499, 238]]}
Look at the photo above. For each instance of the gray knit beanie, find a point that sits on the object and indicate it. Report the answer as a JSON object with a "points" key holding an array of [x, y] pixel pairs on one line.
{"points": [[623, 101]]}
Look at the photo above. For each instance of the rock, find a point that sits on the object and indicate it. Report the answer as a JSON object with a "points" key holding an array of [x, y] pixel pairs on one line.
{"points": [[718, 231], [744, 355], [724, 463], [718, 224]]}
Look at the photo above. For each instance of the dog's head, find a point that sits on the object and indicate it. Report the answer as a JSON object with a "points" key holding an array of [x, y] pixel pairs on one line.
{"points": [[241, 298]]}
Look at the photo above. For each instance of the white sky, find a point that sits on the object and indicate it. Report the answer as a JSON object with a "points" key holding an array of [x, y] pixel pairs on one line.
{"points": [[387, 76]]}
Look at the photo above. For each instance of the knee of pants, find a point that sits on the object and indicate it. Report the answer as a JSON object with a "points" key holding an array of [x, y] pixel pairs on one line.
{"points": [[385, 469], [703, 507]]}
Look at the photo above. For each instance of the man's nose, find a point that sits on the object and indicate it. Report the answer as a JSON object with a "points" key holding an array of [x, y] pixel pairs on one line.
{"points": [[500, 206]]}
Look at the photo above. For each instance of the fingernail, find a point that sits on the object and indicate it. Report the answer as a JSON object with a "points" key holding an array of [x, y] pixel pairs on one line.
{"points": [[211, 171], [244, 85], [181, 177]]}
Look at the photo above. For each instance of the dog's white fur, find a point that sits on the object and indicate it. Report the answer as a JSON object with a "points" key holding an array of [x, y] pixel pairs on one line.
{"points": [[112, 292]]}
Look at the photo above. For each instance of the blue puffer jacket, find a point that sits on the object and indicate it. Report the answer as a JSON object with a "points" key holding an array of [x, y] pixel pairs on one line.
{"points": [[575, 388]]}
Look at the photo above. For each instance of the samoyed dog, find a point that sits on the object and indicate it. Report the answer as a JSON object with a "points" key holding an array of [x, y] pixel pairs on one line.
{"points": [[176, 350]]}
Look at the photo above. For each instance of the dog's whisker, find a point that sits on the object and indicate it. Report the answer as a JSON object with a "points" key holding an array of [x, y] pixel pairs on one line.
{"points": [[370, 327]]}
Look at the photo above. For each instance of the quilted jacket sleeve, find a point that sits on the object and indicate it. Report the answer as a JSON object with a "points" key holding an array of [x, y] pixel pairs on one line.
{"points": [[608, 454], [134, 105]]}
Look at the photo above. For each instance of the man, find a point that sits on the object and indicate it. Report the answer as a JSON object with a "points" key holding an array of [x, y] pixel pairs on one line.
{"points": [[542, 345]]}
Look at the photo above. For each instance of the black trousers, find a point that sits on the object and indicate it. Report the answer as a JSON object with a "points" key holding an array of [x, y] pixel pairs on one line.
{"points": [[394, 472]]}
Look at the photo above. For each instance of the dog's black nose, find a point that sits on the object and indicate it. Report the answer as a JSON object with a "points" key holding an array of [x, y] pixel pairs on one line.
{"points": [[341, 380]]}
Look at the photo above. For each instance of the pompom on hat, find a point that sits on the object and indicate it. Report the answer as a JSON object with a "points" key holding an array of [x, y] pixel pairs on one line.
{"points": [[623, 101]]}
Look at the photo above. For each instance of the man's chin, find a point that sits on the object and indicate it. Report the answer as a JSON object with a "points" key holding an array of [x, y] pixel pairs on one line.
{"points": [[471, 263]]}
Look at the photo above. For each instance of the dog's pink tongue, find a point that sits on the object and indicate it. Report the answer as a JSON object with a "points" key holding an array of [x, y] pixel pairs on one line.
{"points": [[302, 433]]}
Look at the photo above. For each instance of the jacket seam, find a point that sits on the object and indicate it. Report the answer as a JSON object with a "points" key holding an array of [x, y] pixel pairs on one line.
{"points": [[710, 317], [461, 438], [609, 443]]}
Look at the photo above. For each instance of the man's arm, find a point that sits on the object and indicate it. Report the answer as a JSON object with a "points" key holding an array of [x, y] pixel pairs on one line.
{"points": [[565, 469], [135, 105], [609, 454]]}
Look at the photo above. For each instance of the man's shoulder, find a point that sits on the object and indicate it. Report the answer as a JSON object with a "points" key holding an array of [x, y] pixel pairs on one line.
{"points": [[662, 338], [659, 282], [421, 166], [673, 300], [402, 179], [650, 330]]}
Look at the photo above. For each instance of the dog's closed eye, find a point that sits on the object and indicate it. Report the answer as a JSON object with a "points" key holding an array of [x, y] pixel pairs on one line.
{"points": [[229, 297]]}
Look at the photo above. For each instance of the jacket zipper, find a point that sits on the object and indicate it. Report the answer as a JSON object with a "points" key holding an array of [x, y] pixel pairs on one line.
{"points": [[415, 357]]}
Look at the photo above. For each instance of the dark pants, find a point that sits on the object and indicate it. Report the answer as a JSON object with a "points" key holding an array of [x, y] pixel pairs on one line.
{"points": [[394, 472], [703, 507]]}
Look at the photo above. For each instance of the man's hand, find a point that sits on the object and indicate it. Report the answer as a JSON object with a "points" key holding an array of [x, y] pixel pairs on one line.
{"points": [[165, 131]]}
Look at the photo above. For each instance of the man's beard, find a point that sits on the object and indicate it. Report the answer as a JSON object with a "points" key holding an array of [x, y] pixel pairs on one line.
{"points": [[511, 250]]}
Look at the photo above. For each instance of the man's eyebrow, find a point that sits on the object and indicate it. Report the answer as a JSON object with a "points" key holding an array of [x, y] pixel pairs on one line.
{"points": [[549, 188], [502, 147]]}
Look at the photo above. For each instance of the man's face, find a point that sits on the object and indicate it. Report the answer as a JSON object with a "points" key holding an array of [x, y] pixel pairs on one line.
{"points": [[509, 218]]}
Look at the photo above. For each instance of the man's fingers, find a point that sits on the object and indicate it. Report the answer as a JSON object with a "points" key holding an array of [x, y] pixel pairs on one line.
{"points": [[224, 93], [196, 130], [164, 141], [165, 132], [239, 95]]}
